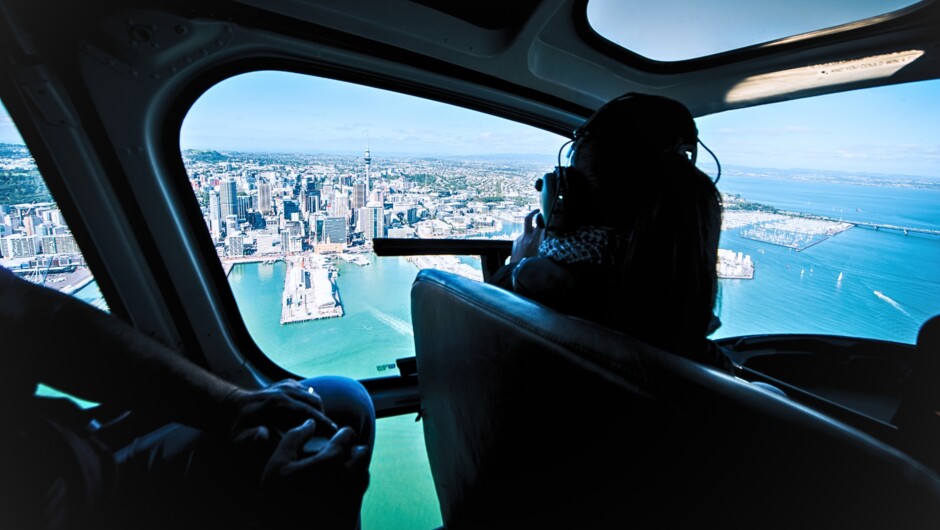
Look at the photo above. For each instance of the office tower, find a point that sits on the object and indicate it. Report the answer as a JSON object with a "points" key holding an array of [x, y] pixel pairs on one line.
{"points": [[372, 222], [231, 225], [244, 204], [228, 197], [235, 246], [19, 246], [334, 230], [312, 201], [360, 195], [289, 209], [340, 204], [264, 197], [215, 216]]}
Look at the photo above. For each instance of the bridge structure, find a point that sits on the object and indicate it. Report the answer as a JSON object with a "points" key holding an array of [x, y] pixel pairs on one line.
{"points": [[905, 229], [865, 224]]}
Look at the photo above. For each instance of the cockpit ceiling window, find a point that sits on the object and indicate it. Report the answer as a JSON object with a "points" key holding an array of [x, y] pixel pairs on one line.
{"points": [[677, 30]]}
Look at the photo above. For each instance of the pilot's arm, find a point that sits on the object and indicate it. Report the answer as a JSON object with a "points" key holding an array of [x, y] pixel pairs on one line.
{"points": [[67, 344]]}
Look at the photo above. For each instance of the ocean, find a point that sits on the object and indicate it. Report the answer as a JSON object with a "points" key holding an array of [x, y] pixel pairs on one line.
{"points": [[862, 282]]}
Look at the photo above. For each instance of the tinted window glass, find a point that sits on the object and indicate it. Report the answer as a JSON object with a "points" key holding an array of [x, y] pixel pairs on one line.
{"points": [[675, 31], [35, 241], [834, 203]]}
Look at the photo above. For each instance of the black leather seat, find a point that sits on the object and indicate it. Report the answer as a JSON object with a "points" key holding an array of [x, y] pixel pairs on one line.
{"points": [[538, 420], [918, 416]]}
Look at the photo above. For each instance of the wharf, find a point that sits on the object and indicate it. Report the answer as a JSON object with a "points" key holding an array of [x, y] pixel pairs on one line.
{"points": [[229, 263], [309, 291]]}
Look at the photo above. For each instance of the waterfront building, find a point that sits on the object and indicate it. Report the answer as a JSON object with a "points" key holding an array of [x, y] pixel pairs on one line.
{"points": [[19, 246], [66, 244], [235, 246], [401, 233], [334, 230]]}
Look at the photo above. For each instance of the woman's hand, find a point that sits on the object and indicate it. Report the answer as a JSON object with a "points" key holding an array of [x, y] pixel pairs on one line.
{"points": [[527, 244]]}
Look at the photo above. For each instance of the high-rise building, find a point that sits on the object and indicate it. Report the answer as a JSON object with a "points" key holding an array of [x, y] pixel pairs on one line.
{"points": [[231, 225], [340, 204], [215, 216], [334, 230], [244, 204], [290, 208], [264, 197], [360, 195], [372, 222], [228, 197], [19, 246], [235, 246], [312, 201]]}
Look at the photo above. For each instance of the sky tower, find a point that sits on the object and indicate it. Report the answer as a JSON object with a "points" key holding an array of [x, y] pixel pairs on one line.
{"points": [[368, 161]]}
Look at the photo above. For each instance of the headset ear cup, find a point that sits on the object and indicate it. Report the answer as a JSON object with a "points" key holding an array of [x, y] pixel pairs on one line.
{"points": [[556, 207], [547, 197]]}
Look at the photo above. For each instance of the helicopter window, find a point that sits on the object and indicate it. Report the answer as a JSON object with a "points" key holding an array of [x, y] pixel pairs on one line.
{"points": [[831, 213], [35, 241], [676, 31], [297, 175]]}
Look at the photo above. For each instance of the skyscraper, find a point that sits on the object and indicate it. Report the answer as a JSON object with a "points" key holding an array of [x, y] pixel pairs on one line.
{"points": [[334, 230], [360, 194], [215, 216], [264, 197], [372, 221], [228, 197]]}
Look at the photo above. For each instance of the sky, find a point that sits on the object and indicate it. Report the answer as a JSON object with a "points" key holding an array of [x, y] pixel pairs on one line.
{"points": [[891, 130]]}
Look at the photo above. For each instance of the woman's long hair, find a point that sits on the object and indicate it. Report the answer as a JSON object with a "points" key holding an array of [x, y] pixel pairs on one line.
{"points": [[670, 212]]}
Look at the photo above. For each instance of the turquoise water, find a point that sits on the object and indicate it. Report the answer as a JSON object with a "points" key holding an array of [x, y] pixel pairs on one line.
{"points": [[800, 292], [373, 333]]}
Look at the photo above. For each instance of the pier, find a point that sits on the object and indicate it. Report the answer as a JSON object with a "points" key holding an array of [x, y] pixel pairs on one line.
{"points": [[309, 292]]}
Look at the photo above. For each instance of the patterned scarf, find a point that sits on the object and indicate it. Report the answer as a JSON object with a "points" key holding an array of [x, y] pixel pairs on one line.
{"points": [[590, 244]]}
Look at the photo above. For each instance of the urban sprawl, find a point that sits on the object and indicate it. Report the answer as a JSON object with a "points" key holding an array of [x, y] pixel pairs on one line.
{"points": [[309, 210]]}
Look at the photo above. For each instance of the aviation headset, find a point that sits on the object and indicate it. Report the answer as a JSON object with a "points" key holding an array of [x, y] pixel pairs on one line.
{"points": [[562, 213]]}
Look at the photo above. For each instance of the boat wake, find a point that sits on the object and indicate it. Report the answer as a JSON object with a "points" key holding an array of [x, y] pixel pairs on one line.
{"points": [[894, 304], [397, 324]]}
